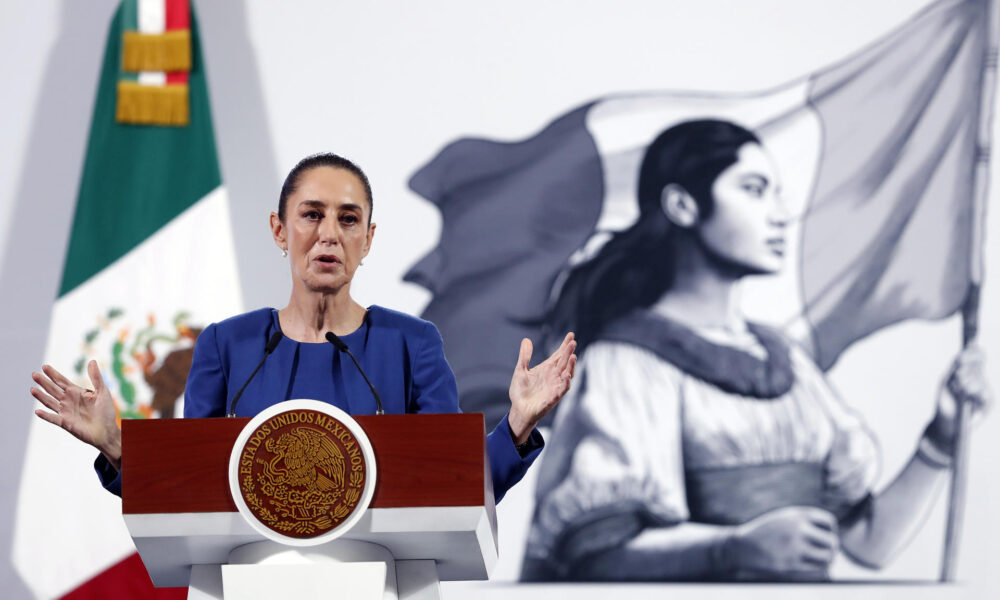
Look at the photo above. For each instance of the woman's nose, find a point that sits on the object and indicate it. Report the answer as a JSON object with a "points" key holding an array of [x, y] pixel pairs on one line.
{"points": [[781, 213], [329, 231]]}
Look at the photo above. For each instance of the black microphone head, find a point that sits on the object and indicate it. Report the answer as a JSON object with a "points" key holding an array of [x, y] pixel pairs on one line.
{"points": [[272, 343], [336, 341]]}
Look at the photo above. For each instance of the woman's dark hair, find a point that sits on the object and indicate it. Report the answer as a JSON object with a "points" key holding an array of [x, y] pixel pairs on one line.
{"points": [[325, 159], [636, 267]]}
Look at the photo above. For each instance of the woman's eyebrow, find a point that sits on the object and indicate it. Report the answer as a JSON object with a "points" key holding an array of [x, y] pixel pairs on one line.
{"points": [[762, 178], [313, 203]]}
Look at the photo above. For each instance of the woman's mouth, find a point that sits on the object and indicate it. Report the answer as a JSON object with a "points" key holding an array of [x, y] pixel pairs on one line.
{"points": [[327, 259], [777, 246]]}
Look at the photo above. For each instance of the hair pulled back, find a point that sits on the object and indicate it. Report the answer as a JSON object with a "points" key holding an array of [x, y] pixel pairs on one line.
{"points": [[324, 159], [636, 266]]}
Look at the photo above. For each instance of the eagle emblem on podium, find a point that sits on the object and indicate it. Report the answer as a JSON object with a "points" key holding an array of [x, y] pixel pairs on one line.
{"points": [[305, 458], [301, 473]]}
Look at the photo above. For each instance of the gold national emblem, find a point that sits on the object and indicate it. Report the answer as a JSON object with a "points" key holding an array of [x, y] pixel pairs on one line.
{"points": [[302, 473]]}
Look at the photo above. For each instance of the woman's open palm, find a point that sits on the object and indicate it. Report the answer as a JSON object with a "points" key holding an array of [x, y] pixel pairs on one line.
{"points": [[535, 391], [87, 414]]}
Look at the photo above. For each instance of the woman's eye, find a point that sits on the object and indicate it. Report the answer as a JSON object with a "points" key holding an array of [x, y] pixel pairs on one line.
{"points": [[312, 215], [349, 219], [754, 190]]}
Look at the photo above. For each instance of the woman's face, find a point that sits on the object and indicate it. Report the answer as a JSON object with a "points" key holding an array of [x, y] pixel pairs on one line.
{"points": [[326, 229], [747, 226]]}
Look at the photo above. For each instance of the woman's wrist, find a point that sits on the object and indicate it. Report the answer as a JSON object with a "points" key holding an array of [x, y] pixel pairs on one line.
{"points": [[520, 427], [722, 554], [112, 449], [935, 447], [941, 432]]}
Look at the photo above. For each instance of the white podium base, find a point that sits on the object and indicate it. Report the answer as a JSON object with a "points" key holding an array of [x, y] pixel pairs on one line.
{"points": [[361, 581], [341, 569]]}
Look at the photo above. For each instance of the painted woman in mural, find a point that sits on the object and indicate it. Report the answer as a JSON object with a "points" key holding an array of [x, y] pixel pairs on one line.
{"points": [[697, 445]]}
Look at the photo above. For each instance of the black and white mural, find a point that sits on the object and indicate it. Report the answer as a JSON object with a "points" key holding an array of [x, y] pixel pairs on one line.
{"points": [[716, 254]]}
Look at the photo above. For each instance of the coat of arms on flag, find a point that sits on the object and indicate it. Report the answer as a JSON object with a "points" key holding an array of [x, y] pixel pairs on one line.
{"points": [[147, 361]]}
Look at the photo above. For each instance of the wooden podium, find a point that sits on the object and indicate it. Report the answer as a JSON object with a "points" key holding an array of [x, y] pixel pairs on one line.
{"points": [[432, 509]]}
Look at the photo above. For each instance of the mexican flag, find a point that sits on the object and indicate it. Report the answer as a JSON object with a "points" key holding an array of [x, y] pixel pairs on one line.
{"points": [[150, 262], [880, 158]]}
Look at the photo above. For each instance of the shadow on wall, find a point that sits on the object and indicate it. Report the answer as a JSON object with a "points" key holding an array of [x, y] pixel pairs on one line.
{"points": [[243, 138], [39, 226]]}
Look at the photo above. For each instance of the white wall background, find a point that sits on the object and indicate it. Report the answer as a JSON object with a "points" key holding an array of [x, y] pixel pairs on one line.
{"points": [[388, 84]]}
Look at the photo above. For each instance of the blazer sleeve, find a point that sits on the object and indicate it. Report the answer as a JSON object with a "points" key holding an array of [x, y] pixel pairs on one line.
{"points": [[434, 390]]}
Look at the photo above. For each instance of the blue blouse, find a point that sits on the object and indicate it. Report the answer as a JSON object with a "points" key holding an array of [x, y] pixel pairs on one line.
{"points": [[402, 355]]}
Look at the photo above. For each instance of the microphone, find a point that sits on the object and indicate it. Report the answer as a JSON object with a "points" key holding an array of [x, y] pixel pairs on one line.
{"points": [[272, 343], [342, 347]]}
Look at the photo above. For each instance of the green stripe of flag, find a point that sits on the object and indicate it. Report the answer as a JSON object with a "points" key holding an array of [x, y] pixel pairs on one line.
{"points": [[129, 16], [137, 178], [129, 22]]}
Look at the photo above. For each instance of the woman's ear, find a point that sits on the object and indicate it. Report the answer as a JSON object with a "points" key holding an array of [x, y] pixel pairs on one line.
{"points": [[679, 206], [278, 231], [368, 239]]}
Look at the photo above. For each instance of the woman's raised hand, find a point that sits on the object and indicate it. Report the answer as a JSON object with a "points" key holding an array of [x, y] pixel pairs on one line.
{"points": [[966, 383], [534, 392], [87, 414]]}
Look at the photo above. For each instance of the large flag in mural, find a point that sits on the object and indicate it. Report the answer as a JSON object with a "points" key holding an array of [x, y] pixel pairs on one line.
{"points": [[150, 261], [882, 145]]}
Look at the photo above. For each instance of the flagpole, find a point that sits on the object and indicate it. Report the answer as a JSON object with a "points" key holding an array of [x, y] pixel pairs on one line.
{"points": [[970, 309]]}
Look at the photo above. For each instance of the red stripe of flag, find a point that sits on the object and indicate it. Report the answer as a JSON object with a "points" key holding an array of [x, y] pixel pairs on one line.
{"points": [[126, 579], [178, 15]]}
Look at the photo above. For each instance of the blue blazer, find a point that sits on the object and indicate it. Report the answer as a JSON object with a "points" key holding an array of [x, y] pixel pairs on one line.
{"points": [[402, 355]]}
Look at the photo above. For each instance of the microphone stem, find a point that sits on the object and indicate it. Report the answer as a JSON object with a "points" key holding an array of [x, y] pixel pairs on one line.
{"points": [[378, 401], [342, 347]]}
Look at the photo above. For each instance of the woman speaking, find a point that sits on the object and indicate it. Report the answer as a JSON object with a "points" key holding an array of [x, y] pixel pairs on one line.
{"points": [[323, 225]]}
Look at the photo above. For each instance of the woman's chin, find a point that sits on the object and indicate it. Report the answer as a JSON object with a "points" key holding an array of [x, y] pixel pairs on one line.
{"points": [[319, 286], [764, 271], [772, 264]]}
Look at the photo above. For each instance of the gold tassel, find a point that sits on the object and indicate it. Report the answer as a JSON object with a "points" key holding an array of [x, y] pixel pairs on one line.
{"points": [[152, 104], [168, 51]]}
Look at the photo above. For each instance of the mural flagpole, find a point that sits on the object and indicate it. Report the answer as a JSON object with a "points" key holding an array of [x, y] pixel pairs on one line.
{"points": [[970, 310]]}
